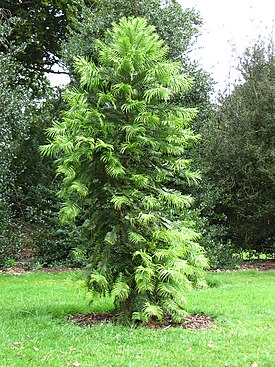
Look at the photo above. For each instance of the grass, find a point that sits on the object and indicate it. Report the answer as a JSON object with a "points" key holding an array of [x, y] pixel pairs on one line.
{"points": [[34, 330]]}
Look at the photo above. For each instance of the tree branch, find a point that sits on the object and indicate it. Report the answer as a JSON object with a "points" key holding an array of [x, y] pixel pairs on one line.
{"points": [[49, 71]]}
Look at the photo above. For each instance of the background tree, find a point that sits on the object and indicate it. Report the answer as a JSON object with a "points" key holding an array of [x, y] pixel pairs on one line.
{"points": [[42, 28], [178, 28], [238, 153], [118, 147], [27, 186]]}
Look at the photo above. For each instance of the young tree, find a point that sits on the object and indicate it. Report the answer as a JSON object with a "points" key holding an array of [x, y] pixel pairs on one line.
{"points": [[119, 147]]}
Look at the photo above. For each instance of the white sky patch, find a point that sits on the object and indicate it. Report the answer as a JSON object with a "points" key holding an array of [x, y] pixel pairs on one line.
{"points": [[58, 79], [229, 28]]}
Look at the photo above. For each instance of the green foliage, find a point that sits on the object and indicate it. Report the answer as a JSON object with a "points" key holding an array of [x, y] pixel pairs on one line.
{"points": [[14, 126], [10, 244], [42, 27], [220, 251], [27, 187], [238, 155], [177, 27], [118, 149]]}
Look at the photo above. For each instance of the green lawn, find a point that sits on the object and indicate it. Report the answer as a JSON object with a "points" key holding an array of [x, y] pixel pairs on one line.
{"points": [[34, 330]]}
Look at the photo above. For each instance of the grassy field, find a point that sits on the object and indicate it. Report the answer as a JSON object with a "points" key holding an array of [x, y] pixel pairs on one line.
{"points": [[34, 330]]}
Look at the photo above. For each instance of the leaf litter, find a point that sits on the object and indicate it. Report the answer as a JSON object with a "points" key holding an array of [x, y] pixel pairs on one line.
{"points": [[190, 322]]}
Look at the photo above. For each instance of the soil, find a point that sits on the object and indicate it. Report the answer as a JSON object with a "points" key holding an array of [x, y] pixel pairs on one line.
{"points": [[191, 322]]}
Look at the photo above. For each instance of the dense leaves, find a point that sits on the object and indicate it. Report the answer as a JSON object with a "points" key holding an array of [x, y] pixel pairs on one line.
{"points": [[239, 153], [42, 28], [27, 187]]}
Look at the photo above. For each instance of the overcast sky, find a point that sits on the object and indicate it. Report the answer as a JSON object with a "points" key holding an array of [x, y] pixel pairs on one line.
{"points": [[229, 25]]}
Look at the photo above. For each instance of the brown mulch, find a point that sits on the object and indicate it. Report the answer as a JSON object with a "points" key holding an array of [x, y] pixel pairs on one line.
{"points": [[191, 322], [196, 322]]}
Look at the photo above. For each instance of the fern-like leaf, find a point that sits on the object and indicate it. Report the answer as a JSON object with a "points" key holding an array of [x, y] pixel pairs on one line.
{"points": [[89, 73], [159, 93], [79, 187], [146, 259], [121, 290], [68, 212], [146, 218], [144, 277], [98, 281], [136, 238], [149, 310], [119, 201], [174, 309]]}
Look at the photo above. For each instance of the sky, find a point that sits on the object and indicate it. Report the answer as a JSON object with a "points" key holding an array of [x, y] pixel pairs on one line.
{"points": [[229, 28]]}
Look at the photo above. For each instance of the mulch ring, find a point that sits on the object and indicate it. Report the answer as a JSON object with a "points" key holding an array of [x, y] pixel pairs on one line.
{"points": [[191, 322]]}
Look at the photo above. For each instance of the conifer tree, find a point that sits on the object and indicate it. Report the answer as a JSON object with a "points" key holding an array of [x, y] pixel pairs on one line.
{"points": [[120, 146]]}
